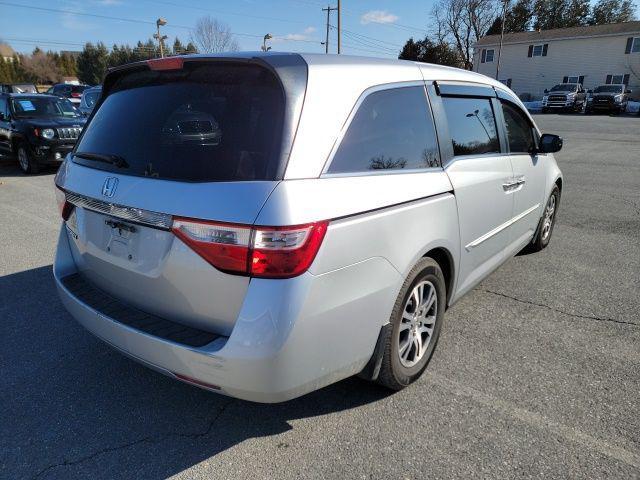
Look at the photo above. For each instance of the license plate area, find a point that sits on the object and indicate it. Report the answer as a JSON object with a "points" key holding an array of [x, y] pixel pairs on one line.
{"points": [[122, 239]]}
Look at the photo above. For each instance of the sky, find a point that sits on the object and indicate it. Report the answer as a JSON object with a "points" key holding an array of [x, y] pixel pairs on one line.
{"points": [[370, 27]]}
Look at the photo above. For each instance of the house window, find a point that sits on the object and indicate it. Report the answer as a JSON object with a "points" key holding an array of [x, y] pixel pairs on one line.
{"points": [[489, 57], [538, 50], [572, 79], [617, 79], [635, 47]]}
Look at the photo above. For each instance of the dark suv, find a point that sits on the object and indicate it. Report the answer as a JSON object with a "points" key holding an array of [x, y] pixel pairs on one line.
{"points": [[608, 98], [564, 96], [38, 129]]}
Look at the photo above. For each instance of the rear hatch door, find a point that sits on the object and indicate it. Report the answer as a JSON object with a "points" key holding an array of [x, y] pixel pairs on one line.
{"points": [[201, 141]]}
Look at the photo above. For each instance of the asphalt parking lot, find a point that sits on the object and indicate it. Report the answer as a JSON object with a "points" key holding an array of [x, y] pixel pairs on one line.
{"points": [[537, 373]]}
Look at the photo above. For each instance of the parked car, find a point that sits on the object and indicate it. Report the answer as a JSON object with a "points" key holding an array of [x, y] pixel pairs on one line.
{"points": [[564, 97], [88, 100], [37, 129], [311, 241], [70, 91], [608, 98], [18, 88]]}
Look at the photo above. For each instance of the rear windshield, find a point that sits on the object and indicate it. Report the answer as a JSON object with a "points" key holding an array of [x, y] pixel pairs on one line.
{"points": [[207, 122]]}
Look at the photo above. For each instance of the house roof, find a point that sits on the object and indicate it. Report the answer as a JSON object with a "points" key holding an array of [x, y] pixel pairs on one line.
{"points": [[6, 50], [562, 33]]}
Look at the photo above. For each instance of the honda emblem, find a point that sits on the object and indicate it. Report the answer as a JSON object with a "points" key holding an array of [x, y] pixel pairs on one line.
{"points": [[109, 187]]}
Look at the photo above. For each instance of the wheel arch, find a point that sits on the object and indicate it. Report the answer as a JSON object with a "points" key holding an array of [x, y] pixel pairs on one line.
{"points": [[444, 259]]}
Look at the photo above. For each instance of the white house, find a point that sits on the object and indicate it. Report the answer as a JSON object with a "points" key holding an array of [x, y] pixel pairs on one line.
{"points": [[592, 55]]}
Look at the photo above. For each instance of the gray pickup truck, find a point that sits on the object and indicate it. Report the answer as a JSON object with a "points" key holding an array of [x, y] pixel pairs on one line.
{"points": [[565, 97]]}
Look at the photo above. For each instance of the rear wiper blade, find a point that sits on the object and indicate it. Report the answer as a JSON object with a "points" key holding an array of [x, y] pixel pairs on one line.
{"points": [[116, 160]]}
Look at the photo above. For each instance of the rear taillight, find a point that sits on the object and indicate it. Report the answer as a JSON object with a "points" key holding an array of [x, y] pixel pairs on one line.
{"points": [[65, 208], [267, 252], [225, 246], [76, 94]]}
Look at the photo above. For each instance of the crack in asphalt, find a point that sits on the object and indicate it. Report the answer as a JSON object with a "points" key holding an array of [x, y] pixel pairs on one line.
{"points": [[149, 439], [574, 315]]}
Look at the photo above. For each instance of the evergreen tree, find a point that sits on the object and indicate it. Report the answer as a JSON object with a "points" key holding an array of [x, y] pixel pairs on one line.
{"points": [[577, 13], [550, 14], [430, 52], [191, 48], [178, 48], [517, 19], [92, 63], [612, 11]]}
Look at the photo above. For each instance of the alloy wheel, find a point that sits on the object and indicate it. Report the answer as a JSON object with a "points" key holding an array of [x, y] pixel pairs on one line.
{"points": [[418, 322], [549, 212]]}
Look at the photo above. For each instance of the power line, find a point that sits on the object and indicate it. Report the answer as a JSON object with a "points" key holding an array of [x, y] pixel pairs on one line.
{"points": [[130, 20]]}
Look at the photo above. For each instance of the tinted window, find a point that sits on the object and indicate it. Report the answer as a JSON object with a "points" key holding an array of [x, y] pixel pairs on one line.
{"points": [[472, 125], [204, 123], [3, 106], [564, 88], [519, 130], [42, 106], [90, 98], [391, 130], [609, 89]]}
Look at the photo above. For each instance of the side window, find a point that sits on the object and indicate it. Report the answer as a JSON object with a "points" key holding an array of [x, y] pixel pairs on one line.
{"points": [[3, 106], [519, 130], [472, 125], [392, 130]]}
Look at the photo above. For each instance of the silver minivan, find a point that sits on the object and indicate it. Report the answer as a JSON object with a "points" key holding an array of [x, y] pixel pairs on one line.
{"points": [[263, 225]]}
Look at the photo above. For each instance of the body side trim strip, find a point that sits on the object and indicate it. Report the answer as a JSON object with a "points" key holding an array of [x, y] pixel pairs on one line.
{"points": [[500, 228]]}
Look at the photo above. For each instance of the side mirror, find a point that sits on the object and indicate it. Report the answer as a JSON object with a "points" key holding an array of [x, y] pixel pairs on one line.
{"points": [[546, 90], [550, 143]]}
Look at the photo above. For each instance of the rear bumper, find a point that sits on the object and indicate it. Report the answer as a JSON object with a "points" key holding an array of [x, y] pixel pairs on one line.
{"points": [[292, 336]]}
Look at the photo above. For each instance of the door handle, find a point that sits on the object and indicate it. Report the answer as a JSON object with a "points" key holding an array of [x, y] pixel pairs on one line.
{"points": [[513, 184]]}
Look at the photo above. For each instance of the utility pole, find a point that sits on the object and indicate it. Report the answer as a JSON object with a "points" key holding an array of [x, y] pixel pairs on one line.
{"points": [[161, 38], [504, 14], [329, 9], [339, 28]]}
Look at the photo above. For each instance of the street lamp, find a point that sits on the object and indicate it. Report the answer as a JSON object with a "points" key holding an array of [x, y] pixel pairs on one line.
{"points": [[161, 38], [264, 42], [475, 114]]}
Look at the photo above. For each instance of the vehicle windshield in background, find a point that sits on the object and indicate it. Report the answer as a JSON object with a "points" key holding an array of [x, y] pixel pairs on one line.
{"points": [[564, 88], [608, 89], [90, 98], [207, 122], [78, 88], [43, 107], [24, 88]]}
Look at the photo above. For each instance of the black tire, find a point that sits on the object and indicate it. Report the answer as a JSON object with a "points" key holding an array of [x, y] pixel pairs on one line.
{"points": [[393, 374], [541, 239], [27, 163]]}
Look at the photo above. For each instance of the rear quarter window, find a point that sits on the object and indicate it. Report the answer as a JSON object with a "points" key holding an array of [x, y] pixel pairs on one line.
{"points": [[208, 122], [392, 130]]}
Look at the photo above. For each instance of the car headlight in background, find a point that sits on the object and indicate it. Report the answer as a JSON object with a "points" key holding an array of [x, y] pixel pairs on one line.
{"points": [[47, 133], [545, 99], [618, 99]]}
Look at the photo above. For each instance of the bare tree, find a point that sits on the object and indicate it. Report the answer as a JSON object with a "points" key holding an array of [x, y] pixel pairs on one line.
{"points": [[41, 68], [212, 36], [462, 22]]}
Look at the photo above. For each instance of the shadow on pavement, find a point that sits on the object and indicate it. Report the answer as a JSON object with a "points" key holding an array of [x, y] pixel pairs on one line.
{"points": [[9, 168], [73, 407]]}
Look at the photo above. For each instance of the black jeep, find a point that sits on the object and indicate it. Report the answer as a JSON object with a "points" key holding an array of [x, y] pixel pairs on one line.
{"points": [[608, 98], [38, 129]]}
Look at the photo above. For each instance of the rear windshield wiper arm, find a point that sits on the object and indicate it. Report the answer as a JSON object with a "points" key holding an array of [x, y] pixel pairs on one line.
{"points": [[116, 160]]}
